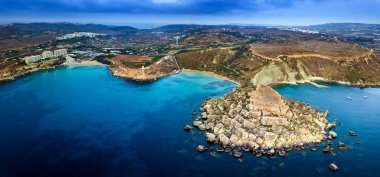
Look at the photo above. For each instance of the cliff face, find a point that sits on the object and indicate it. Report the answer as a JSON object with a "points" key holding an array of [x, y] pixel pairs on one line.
{"points": [[361, 72]]}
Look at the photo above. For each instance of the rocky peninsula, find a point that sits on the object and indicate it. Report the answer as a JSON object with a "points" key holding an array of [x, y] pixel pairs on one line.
{"points": [[261, 121], [163, 67]]}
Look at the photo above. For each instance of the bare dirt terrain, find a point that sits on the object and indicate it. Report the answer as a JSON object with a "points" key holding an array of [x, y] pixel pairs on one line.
{"points": [[334, 50]]}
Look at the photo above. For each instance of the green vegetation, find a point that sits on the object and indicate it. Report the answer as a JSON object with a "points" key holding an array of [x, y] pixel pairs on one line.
{"points": [[139, 64], [104, 59], [229, 71], [133, 64], [235, 33], [353, 76]]}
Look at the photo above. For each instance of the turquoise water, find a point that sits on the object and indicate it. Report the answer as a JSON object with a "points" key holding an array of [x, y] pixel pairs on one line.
{"points": [[82, 121]]}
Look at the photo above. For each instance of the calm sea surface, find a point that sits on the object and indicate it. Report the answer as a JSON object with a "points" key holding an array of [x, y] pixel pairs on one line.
{"points": [[82, 121]]}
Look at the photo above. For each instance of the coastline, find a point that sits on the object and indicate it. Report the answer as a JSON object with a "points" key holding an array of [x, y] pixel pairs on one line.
{"points": [[13, 78], [212, 74], [319, 83], [84, 63]]}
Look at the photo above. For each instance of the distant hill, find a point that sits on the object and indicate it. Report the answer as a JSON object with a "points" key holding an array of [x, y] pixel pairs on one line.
{"points": [[57, 28], [179, 27], [364, 34], [330, 27], [25, 34]]}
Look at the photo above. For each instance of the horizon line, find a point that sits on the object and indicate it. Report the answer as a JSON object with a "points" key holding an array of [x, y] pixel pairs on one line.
{"points": [[156, 25]]}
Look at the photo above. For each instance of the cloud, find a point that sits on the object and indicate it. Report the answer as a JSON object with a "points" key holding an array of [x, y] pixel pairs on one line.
{"points": [[193, 11], [146, 6]]}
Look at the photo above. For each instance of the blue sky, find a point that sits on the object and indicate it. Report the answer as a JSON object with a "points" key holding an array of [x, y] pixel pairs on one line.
{"points": [[124, 12]]}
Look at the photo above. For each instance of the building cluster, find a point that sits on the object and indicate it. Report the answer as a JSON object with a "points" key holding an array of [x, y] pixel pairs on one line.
{"points": [[301, 30], [80, 34], [84, 55], [46, 55]]}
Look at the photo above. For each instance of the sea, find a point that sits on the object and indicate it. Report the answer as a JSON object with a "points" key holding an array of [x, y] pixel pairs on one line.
{"points": [[84, 122]]}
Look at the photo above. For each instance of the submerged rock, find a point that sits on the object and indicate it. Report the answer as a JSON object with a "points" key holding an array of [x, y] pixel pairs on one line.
{"points": [[238, 154], [327, 149], [220, 149], [352, 133], [344, 148]]}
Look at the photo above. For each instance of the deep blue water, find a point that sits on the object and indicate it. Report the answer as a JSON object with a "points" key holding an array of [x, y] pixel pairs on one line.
{"points": [[82, 121]]}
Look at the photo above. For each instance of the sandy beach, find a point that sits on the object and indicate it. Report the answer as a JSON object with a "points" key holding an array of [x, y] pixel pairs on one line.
{"points": [[84, 63]]}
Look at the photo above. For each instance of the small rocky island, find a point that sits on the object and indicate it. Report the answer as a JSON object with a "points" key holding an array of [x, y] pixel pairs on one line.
{"points": [[261, 121]]}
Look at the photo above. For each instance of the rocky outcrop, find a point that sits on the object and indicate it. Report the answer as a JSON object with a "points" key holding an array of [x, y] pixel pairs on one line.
{"points": [[261, 120], [161, 68], [9, 74]]}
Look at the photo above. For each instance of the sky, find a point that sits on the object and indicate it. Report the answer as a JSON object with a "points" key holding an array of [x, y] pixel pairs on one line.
{"points": [[159, 12]]}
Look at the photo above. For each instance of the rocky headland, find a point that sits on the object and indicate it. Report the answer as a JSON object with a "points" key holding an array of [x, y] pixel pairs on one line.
{"points": [[161, 68], [261, 121]]}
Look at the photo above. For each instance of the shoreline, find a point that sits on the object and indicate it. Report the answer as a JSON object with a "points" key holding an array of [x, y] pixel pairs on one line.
{"points": [[84, 63], [212, 74], [318, 83]]}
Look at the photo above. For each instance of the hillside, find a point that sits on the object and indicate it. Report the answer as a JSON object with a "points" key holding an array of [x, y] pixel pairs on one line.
{"points": [[26, 34]]}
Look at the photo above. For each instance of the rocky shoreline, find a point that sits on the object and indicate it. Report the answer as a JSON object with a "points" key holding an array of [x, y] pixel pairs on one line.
{"points": [[11, 75], [317, 83], [261, 122]]}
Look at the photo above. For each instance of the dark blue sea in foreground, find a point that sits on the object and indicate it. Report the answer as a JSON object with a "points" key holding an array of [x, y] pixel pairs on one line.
{"points": [[82, 121]]}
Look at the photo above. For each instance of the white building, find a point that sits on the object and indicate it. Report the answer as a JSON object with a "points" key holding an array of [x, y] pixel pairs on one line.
{"points": [[32, 59], [47, 54], [115, 52], [80, 34], [60, 52]]}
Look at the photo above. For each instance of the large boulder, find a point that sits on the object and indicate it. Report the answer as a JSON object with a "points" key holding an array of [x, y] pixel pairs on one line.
{"points": [[210, 137], [270, 120], [252, 145], [197, 123], [223, 139], [269, 139]]}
